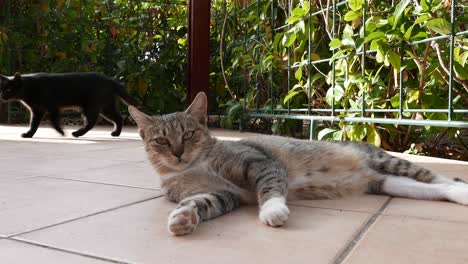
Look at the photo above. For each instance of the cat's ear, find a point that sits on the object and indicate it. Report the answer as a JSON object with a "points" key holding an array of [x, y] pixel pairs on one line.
{"points": [[198, 108], [17, 79], [142, 119]]}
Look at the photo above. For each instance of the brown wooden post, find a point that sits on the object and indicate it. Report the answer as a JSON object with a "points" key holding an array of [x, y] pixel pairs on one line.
{"points": [[198, 70]]}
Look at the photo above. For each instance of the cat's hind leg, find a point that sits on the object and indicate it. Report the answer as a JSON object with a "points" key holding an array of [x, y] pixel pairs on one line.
{"points": [[111, 113], [36, 117], [55, 120], [91, 115], [441, 189], [200, 207]]}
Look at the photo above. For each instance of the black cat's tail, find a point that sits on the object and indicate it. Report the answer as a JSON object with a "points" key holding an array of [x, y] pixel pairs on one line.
{"points": [[126, 98]]}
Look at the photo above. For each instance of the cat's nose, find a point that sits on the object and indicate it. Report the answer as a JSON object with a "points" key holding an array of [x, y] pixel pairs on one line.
{"points": [[177, 151]]}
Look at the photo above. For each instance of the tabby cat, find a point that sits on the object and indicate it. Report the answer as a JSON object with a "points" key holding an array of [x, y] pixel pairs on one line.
{"points": [[208, 177]]}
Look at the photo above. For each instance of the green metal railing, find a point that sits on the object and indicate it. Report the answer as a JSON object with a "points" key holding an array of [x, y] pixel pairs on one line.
{"points": [[244, 10]]}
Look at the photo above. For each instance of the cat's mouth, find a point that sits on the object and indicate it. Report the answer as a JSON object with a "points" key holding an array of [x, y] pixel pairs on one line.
{"points": [[177, 163]]}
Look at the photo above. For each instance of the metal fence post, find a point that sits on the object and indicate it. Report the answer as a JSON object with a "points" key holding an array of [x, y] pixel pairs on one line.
{"points": [[198, 48]]}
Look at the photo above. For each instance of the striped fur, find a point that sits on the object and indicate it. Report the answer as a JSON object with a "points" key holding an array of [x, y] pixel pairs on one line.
{"points": [[208, 177]]}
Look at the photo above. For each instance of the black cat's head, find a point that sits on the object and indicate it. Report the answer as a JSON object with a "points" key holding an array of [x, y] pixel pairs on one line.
{"points": [[11, 87]]}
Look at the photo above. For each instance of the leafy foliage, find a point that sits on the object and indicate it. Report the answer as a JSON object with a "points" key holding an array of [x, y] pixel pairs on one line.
{"points": [[142, 43], [277, 57]]}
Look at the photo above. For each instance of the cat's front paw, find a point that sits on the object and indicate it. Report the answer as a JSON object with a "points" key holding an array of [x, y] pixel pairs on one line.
{"points": [[77, 134], [27, 135], [274, 212], [115, 133], [183, 221]]}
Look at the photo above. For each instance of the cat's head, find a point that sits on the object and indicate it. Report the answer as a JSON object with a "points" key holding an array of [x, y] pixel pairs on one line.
{"points": [[175, 140], [11, 88]]}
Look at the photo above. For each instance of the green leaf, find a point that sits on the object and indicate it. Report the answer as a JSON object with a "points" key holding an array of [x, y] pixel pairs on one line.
{"points": [[463, 58], [277, 40], [355, 4], [408, 33], [400, 8], [413, 96], [438, 25], [373, 137], [348, 31], [356, 132], [348, 42], [291, 94], [338, 54], [289, 39], [395, 100], [419, 35], [338, 135], [298, 12], [324, 132], [422, 18], [394, 59], [334, 43], [374, 35], [300, 26], [306, 6], [351, 15], [379, 56], [424, 5], [298, 73], [461, 71], [182, 41]]}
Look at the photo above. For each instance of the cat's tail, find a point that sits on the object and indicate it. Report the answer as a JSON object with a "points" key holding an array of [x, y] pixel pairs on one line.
{"points": [[124, 96]]}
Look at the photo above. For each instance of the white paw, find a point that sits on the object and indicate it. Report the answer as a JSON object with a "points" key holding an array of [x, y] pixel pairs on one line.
{"points": [[458, 194], [274, 212], [183, 221]]}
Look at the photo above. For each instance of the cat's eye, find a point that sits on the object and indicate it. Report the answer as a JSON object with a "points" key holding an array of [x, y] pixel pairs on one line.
{"points": [[162, 141], [187, 136]]}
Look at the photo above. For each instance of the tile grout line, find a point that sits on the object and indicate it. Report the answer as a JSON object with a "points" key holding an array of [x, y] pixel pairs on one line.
{"points": [[332, 209], [32, 243], [85, 216], [426, 218], [359, 235], [103, 183]]}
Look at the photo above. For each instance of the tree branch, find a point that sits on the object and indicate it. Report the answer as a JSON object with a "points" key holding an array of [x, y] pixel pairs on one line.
{"points": [[435, 46]]}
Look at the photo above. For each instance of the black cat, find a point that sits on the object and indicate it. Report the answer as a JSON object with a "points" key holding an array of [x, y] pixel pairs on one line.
{"points": [[93, 92]]}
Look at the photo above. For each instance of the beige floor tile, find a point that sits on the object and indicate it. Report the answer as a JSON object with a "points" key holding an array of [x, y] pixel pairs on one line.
{"points": [[6, 176], [47, 165], [138, 233], [37, 202], [135, 174], [13, 252], [428, 209], [402, 240], [134, 153], [362, 203]]}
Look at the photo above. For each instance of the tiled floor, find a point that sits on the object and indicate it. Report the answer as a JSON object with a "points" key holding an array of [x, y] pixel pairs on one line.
{"points": [[96, 200]]}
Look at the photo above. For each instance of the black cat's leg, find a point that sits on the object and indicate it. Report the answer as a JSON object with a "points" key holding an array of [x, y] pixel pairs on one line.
{"points": [[200, 207], [91, 115], [55, 120], [110, 112], [36, 117]]}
